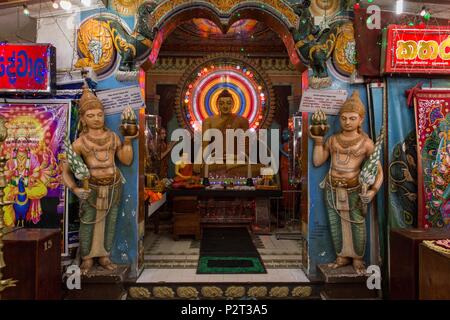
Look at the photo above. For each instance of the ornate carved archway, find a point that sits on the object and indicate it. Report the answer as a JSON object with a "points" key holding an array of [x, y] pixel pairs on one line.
{"points": [[276, 14], [226, 8], [99, 35]]}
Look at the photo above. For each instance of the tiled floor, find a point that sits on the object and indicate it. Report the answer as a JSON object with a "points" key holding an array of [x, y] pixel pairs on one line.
{"points": [[167, 260]]}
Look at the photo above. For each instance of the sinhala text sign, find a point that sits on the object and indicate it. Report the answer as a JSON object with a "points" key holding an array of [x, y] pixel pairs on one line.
{"points": [[417, 50], [27, 68]]}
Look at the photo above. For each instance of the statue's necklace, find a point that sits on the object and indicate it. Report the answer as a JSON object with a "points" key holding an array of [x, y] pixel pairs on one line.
{"points": [[348, 143], [98, 158], [100, 141]]}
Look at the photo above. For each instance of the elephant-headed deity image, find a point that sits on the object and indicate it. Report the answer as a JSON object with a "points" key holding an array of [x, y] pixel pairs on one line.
{"points": [[316, 44], [101, 38]]}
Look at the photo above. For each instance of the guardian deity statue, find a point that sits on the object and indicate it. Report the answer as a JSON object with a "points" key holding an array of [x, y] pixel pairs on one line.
{"points": [[346, 194], [97, 146]]}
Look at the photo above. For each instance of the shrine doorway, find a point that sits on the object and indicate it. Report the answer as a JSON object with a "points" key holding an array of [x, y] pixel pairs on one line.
{"points": [[257, 39]]}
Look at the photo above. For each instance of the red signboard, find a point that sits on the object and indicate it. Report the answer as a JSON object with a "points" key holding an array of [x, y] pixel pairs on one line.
{"points": [[417, 50], [27, 68]]}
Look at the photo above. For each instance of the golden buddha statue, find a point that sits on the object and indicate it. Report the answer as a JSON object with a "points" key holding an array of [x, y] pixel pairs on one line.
{"points": [[223, 121], [184, 174]]}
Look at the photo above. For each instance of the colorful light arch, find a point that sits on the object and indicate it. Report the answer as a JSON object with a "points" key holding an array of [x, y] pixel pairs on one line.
{"points": [[199, 92]]}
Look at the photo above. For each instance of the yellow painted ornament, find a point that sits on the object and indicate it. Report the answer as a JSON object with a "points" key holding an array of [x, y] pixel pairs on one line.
{"points": [[126, 8]]}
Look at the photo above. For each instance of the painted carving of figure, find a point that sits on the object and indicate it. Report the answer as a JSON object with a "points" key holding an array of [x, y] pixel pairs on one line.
{"points": [[26, 186], [436, 155], [101, 38], [183, 169], [99, 203], [165, 152], [345, 198], [30, 171], [184, 173]]}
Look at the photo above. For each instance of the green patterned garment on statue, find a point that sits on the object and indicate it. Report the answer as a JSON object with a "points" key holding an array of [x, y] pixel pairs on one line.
{"points": [[356, 214], [89, 214]]}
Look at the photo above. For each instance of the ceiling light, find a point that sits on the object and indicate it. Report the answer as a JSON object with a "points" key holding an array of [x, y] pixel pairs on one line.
{"points": [[55, 4], [86, 3], [399, 7], [423, 11], [65, 4], [25, 10]]}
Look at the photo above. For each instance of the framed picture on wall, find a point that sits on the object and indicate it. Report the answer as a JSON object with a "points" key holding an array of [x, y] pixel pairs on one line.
{"points": [[33, 148]]}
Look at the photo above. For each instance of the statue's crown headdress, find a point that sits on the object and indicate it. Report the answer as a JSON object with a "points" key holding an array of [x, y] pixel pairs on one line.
{"points": [[354, 104], [88, 100]]}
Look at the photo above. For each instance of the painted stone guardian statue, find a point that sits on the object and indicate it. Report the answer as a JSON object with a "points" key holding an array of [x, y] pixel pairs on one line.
{"points": [[92, 158], [349, 185]]}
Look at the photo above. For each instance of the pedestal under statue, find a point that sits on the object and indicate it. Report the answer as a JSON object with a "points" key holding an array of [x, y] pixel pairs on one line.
{"points": [[346, 196], [100, 197]]}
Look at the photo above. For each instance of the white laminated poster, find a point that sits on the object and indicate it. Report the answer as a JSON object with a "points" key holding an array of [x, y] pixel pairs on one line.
{"points": [[330, 101], [116, 100]]}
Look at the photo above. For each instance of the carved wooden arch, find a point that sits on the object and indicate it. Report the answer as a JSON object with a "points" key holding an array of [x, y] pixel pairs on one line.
{"points": [[231, 57], [276, 14]]}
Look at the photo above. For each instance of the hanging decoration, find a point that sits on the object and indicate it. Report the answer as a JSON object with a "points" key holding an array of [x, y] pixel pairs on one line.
{"points": [[344, 55], [432, 108]]}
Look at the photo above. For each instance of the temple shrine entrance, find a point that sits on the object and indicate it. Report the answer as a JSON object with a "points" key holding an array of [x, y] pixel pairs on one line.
{"points": [[254, 213]]}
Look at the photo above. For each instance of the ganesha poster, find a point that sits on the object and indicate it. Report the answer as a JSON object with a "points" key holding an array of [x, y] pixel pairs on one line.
{"points": [[433, 146], [34, 143]]}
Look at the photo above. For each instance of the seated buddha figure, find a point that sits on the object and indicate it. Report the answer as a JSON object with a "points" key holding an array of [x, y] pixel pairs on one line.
{"points": [[184, 175], [226, 119]]}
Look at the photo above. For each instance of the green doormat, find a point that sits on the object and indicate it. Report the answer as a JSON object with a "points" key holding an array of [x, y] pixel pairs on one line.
{"points": [[228, 250]]}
